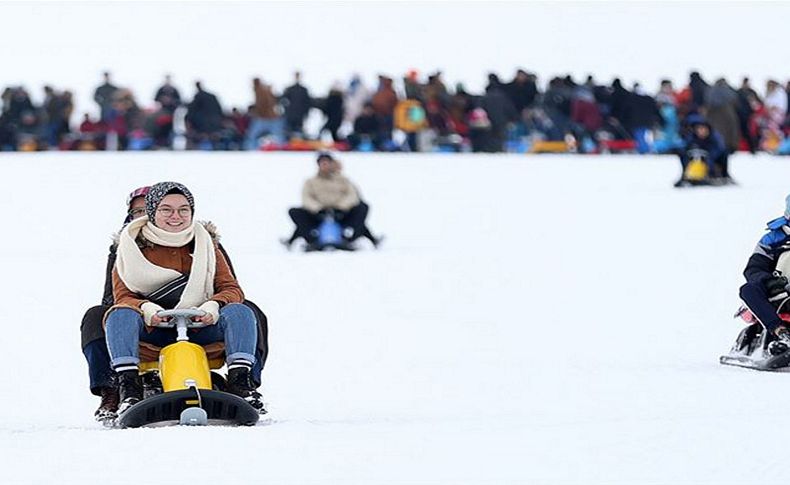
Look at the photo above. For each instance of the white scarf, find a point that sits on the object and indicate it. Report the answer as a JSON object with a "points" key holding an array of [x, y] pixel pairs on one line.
{"points": [[143, 277]]}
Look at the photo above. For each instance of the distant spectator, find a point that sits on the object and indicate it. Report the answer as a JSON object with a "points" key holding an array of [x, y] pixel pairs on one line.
{"points": [[384, 101], [775, 104], [204, 115], [641, 117], [480, 131], [332, 108], [367, 130], [721, 109], [746, 98], [412, 87], [104, 95], [435, 91], [522, 91], [265, 118], [168, 96], [356, 96], [297, 102], [699, 89], [459, 105], [58, 108], [18, 104], [500, 111], [620, 100], [667, 136], [585, 113]]}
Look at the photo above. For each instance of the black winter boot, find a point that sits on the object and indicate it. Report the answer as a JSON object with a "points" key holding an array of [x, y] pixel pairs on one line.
{"points": [[130, 388], [782, 342], [240, 384], [108, 408]]}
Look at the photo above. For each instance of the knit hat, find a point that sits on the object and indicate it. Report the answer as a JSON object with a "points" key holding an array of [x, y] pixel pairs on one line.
{"points": [[159, 191], [138, 192]]}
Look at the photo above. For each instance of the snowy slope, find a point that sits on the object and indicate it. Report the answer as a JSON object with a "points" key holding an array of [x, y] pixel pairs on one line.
{"points": [[543, 319]]}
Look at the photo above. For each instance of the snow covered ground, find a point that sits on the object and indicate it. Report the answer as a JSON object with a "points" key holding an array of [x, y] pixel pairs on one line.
{"points": [[544, 319]]}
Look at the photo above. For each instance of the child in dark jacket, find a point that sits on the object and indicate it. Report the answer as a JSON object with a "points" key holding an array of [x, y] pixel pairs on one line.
{"points": [[767, 289]]}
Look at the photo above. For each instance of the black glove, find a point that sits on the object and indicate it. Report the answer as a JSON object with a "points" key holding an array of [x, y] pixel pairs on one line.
{"points": [[775, 285]]}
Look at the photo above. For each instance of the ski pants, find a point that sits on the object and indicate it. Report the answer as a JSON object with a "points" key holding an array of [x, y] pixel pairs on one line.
{"points": [[756, 300], [307, 222]]}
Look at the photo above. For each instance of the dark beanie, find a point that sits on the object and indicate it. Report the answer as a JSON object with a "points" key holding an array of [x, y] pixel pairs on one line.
{"points": [[159, 191]]}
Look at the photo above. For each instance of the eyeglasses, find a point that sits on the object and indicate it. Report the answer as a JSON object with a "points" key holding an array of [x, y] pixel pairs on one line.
{"points": [[135, 213], [169, 211]]}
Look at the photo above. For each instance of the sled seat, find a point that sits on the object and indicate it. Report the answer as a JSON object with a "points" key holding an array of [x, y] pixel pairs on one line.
{"points": [[149, 356]]}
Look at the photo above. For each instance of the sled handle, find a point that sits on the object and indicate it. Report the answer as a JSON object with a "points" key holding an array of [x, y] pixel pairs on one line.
{"points": [[181, 319]]}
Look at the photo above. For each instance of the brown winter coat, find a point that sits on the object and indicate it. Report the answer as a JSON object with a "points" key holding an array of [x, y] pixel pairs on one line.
{"points": [[265, 102], [385, 99], [324, 192]]}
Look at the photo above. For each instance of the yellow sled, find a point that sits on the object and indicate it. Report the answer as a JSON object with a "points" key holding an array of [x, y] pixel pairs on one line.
{"points": [[188, 394]]}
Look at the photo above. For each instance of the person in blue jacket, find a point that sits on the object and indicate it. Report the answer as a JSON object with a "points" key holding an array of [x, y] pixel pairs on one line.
{"points": [[767, 291]]}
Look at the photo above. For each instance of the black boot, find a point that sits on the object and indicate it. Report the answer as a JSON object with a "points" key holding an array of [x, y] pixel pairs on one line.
{"points": [[108, 408], [130, 387], [240, 384], [782, 342]]}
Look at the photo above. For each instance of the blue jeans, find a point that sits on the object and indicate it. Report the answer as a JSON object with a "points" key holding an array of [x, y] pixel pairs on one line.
{"points": [[99, 370], [262, 126], [236, 327]]}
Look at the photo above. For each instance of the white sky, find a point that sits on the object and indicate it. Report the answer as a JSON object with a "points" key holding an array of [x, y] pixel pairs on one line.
{"points": [[69, 44]]}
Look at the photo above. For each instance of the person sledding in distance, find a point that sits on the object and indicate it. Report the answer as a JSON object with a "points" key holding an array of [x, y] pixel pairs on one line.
{"points": [[165, 260], [329, 197], [765, 343], [94, 345], [704, 156]]}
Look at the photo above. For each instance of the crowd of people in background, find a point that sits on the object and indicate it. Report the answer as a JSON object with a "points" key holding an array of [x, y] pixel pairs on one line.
{"points": [[416, 114]]}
